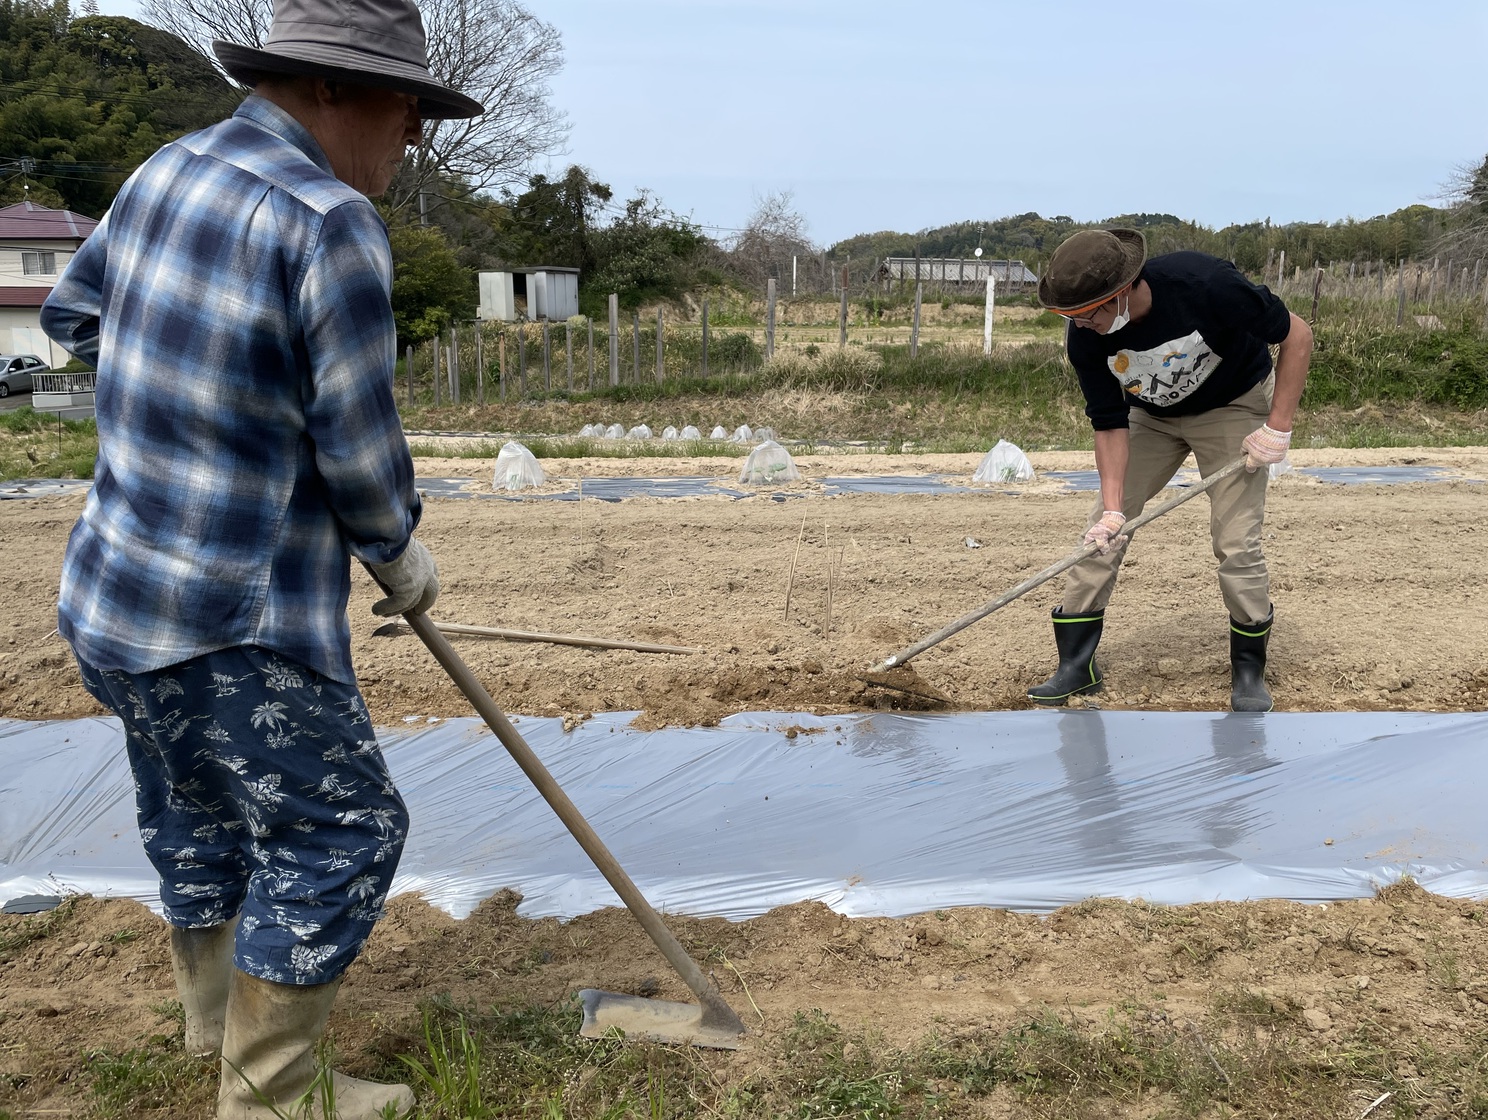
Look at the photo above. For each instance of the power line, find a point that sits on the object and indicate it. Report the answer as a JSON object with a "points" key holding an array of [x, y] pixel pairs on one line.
{"points": [[149, 97]]}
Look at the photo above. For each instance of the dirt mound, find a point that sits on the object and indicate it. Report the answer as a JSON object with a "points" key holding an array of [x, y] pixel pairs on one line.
{"points": [[1406, 963]]}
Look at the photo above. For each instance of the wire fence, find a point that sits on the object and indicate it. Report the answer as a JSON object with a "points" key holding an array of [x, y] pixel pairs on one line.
{"points": [[1414, 291], [481, 362]]}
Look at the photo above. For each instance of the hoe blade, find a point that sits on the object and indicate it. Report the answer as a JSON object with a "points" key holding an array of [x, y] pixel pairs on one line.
{"points": [[657, 1020], [904, 679]]}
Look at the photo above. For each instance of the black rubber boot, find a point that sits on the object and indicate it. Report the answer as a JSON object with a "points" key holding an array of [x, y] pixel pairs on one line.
{"points": [[1248, 692], [1075, 636]]}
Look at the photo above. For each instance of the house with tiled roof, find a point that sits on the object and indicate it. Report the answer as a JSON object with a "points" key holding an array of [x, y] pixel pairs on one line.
{"points": [[36, 242]]}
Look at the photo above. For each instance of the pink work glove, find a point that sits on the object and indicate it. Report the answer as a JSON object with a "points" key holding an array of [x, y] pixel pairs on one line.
{"points": [[1265, 446], [1105, 533]]}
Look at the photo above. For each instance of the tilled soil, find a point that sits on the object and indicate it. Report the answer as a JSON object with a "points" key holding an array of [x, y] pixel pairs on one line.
{"points": [[1377, 591]]}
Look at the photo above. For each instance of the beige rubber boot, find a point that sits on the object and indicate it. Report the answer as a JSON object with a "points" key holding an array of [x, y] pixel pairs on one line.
{"points": [[268, 1057], [202, 961]]}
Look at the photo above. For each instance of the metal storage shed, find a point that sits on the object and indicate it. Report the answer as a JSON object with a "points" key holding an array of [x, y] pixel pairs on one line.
{"points": [[548, 291]]}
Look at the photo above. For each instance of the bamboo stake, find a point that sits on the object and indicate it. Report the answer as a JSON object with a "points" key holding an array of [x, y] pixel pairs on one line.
{"points": [[538, 636], [828, 629], [827, 547], [791, 579]]}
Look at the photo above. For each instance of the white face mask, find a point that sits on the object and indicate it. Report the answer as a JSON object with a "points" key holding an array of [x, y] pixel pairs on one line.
{"points": [[1122, 317]]}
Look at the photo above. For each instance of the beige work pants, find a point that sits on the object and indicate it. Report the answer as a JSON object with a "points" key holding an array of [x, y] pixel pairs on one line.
{"points": [[1237, 505]]}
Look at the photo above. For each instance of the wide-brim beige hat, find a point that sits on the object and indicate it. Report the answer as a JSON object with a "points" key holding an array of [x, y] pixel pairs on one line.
{"points": [[377, 43], [1090, 267]]}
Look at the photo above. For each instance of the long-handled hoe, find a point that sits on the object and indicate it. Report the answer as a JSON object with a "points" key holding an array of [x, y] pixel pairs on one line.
{"points": [[712, 1022], [893, 672]]}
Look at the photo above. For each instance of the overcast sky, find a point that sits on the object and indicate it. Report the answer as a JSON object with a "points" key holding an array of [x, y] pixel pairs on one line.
{"points": [[906, 115]]}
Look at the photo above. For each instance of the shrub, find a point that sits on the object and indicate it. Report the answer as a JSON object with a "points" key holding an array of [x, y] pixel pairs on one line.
{"points": [[738, 351]]}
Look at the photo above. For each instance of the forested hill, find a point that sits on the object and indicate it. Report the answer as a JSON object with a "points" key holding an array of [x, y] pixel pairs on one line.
{"points": [[1411, 233], [85, 101]]}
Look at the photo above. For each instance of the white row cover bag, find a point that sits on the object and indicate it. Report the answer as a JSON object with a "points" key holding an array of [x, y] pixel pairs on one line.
{"points": [[516, 469], [768, 465], [1004, 463]]}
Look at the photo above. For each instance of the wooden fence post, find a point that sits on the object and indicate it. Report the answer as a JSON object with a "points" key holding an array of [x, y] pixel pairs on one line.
{"points": [[1400, 284], [454, 365], [590, 320], [635, 347], [1281, 272], [842, 313], [547, 359], [769, 319], [914, 334], [480, 364], [408, 368], [522, 359], [568, 351], [987, 315], [501, 367], [614, 339], [705, 338], [1317, 288], [660, 363], [434, 352]]}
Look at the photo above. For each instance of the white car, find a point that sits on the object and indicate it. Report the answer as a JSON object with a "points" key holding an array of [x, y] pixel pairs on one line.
{"points": [[16, 371]]}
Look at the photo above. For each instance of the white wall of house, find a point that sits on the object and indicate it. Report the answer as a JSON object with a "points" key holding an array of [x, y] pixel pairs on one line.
{"points": [[21, 333], [25, 264], [28, 263]]}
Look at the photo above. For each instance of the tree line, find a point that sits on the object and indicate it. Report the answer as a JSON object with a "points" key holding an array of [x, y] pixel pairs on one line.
{"points": [[84, 99], [1413, 232]]}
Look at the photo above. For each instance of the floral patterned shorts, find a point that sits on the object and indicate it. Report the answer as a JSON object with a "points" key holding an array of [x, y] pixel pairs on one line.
{"points": [[262, 792]]}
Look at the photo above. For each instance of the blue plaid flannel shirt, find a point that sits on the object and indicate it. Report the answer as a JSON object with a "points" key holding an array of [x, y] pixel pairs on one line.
{"points": [[235, 303]]}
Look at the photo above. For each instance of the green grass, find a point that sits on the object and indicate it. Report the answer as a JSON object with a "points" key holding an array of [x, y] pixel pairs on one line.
{"points": [[1247, 1054], [34, 445], [1371, 385], [157, 1075], [35, 927], [584, 447]]}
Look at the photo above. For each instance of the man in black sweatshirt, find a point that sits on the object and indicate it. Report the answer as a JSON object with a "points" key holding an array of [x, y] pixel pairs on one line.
{"points": [[1173, 357]]}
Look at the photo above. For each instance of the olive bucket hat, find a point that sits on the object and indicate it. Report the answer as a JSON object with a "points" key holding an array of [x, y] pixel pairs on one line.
{"points": [[377, 43], [1090, 267]]}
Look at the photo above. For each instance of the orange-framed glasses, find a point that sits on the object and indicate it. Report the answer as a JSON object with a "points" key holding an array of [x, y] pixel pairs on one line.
{"points": [[1085, 312]]}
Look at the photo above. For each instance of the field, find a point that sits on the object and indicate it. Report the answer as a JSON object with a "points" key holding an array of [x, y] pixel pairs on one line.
{"points": [[1106, 1009]]}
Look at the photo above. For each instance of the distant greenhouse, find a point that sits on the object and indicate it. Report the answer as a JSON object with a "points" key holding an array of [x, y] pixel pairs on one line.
{"points": [[960, 272]]}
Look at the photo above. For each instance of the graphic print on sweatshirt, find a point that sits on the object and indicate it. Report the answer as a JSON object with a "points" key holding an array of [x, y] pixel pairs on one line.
{"points": [[1166, 374]]}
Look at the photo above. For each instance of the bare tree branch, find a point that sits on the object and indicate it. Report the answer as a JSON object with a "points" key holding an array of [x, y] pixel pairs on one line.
{"points": [[495, 51], [1466, 194], [775, 233]]}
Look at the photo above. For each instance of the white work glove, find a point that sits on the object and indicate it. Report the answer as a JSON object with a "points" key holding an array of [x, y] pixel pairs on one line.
{"points": [[1105, 534], [1265, 446], [411, 581]]}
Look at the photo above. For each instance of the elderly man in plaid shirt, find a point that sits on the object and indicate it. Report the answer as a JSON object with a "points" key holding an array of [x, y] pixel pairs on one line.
{"points": [[235, 300]]}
